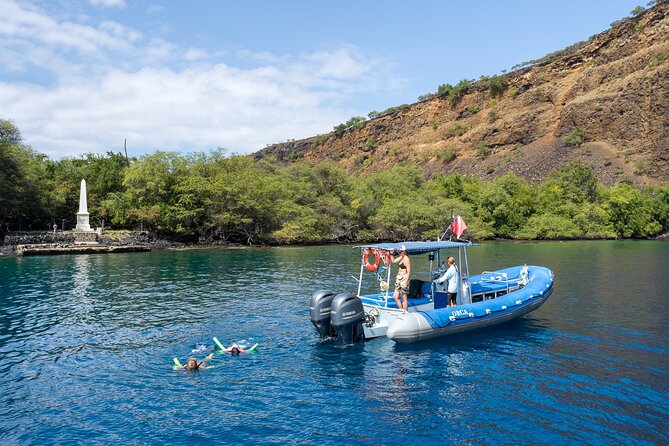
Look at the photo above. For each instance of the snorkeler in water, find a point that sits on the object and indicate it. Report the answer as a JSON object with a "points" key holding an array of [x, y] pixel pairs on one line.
{"points": [[235, 349], [193, 364]]}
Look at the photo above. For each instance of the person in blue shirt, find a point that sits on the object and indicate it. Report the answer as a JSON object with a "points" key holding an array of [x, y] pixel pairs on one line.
{"points": [[451, 279]]}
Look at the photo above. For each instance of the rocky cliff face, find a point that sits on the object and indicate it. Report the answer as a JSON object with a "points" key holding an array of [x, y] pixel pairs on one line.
{"points": [[612, 92]]}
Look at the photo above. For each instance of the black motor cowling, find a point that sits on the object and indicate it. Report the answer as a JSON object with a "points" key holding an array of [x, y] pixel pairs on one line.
{"points": [[319, 310], [346, 319]]}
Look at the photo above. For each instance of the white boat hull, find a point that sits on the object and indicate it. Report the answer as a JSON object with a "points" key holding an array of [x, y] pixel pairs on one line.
{"points": [[423, 322]]}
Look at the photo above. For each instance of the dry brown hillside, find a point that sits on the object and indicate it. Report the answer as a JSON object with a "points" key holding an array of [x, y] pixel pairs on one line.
{"points": [[614, 87]]}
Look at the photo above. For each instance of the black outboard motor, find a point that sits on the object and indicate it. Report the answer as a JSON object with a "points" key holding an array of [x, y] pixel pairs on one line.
{"points": [[319, 310], [347, 318]]}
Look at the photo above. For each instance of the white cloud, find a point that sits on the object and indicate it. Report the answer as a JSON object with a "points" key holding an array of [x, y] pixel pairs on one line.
{"points": [[119, 85], [35, 26], [194, 54], [343, 63], [120, 31], [192, 109], [262, 57], [158, 50], [108, 3]]}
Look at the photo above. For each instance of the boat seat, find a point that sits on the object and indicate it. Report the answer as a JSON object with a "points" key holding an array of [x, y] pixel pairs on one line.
{"points": [[419, 288], [415, 288], [487, 287]]}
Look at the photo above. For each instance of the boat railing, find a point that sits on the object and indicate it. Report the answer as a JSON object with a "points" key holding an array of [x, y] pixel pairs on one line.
{"points": [[381, 300], [494, 277]]}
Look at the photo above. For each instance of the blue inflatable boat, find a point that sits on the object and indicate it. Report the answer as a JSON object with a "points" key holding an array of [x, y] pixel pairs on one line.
{"points": [[483, 300]]}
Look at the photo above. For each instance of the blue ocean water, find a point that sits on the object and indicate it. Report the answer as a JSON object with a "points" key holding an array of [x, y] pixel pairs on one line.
{"points": [[86, 348]]}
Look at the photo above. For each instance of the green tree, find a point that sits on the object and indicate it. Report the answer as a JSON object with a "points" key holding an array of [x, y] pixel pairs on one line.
{"points": [[506, 204], [150, 186], [637, 11], [631, 213], [9, 133], [23, 201], [575, 182], [549, 227], [593, 221], [659, 204], [450, 186]]}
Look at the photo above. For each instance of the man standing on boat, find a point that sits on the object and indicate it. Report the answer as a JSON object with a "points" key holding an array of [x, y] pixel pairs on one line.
{"points": [[451, 279]]}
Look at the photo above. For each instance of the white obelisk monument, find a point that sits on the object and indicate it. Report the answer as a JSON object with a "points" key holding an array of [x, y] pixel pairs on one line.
{"points": [[82, 216]]}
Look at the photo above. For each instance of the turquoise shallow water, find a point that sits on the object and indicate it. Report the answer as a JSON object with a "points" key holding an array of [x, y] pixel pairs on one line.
{"points": [[86, 346]]}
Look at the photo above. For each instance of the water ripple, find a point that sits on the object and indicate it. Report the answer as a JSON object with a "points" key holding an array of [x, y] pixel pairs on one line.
{"points": [[86, 347]]}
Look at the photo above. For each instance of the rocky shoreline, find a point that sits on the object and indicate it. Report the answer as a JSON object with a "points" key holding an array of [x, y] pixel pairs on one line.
{"points": [[51, 243], [48, 243], [29, 243], [59, 248]]}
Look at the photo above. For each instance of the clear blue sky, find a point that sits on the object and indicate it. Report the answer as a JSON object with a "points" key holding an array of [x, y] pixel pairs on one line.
{"points": [[80, 76]]}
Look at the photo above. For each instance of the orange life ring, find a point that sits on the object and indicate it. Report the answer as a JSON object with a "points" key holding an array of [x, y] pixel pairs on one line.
{"points": [[377, 259]]}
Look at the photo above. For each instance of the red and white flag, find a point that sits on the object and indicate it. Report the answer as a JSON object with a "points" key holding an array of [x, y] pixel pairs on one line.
{"points": [[458, 226]]}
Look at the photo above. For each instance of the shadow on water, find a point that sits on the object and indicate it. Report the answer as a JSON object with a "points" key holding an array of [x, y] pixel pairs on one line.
{"points": [[504, 339], [522, 331]]}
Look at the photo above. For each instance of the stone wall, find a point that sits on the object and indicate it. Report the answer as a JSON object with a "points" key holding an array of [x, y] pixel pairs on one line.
{"points": [[108, 238], [85, 237], [34, 238]]}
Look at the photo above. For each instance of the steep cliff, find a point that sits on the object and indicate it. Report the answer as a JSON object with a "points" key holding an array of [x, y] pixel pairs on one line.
{"points": [[604, 102]]}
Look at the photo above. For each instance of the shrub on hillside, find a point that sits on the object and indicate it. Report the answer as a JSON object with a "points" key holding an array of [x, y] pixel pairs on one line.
{"points": [[454, 93], [497, 85], [457, 129], [447, 155], [354, 122], [320, 139], [638, 10], [575, 137], [482, 150], [472, 109]]}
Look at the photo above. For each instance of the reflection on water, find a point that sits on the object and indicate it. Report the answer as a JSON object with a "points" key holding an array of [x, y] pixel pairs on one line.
{"points": [[81, 276], [86, 347]]}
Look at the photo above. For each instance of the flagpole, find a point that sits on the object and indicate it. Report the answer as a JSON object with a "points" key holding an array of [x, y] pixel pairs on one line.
{"points": [[447, 228], [450, 237]]}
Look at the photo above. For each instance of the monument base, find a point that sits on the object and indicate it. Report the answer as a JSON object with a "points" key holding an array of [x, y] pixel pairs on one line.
{"points": [[83, 222], [88, 237]]}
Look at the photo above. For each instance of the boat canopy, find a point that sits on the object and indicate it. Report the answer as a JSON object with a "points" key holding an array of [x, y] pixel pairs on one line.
{"points": [[418, 247]]}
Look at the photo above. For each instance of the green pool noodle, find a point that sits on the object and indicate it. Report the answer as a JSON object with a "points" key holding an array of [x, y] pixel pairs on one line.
{"points": [[177, 364], [249, 349], [222, 347], [218, 343]]}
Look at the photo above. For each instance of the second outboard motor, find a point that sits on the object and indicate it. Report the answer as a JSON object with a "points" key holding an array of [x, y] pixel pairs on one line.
{"points": [[347, 318], [319, 310]]}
